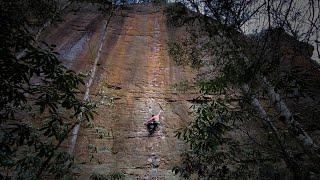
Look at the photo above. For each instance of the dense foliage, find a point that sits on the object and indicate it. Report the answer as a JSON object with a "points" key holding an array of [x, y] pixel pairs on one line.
{"points": [[222, 145], [40, 101]]}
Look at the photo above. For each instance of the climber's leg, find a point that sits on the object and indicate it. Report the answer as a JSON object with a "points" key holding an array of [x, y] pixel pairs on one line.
{"points": [[152, 127]]}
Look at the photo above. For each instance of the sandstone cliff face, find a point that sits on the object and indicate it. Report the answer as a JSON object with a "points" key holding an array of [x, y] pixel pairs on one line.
{"points": [[135, 79]]}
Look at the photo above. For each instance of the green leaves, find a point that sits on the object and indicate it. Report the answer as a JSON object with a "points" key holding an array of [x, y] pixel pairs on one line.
{"points": [[40, 100], [207, 130], [177, 53], [217, 85], [175, 14], [188, 52], [63, 162], [27, 167], [96, 176]]}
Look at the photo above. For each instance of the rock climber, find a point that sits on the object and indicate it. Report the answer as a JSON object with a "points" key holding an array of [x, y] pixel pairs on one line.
{"points": [[153, 122]]}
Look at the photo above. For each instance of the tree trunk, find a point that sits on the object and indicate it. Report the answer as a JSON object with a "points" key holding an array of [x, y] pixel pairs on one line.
{"points": [[86, 97], [294, 126], [291, 164]]}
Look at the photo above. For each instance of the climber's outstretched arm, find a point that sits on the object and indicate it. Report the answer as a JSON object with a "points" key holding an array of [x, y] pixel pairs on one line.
{"points": [[156, 116], [159, 113]]}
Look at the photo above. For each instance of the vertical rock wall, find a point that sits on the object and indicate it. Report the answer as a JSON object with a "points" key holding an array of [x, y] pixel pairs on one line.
{"points": [[136, 72]]}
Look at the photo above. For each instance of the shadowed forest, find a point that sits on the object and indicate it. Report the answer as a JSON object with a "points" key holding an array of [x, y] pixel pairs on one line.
{"points": [[160, 89]]}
